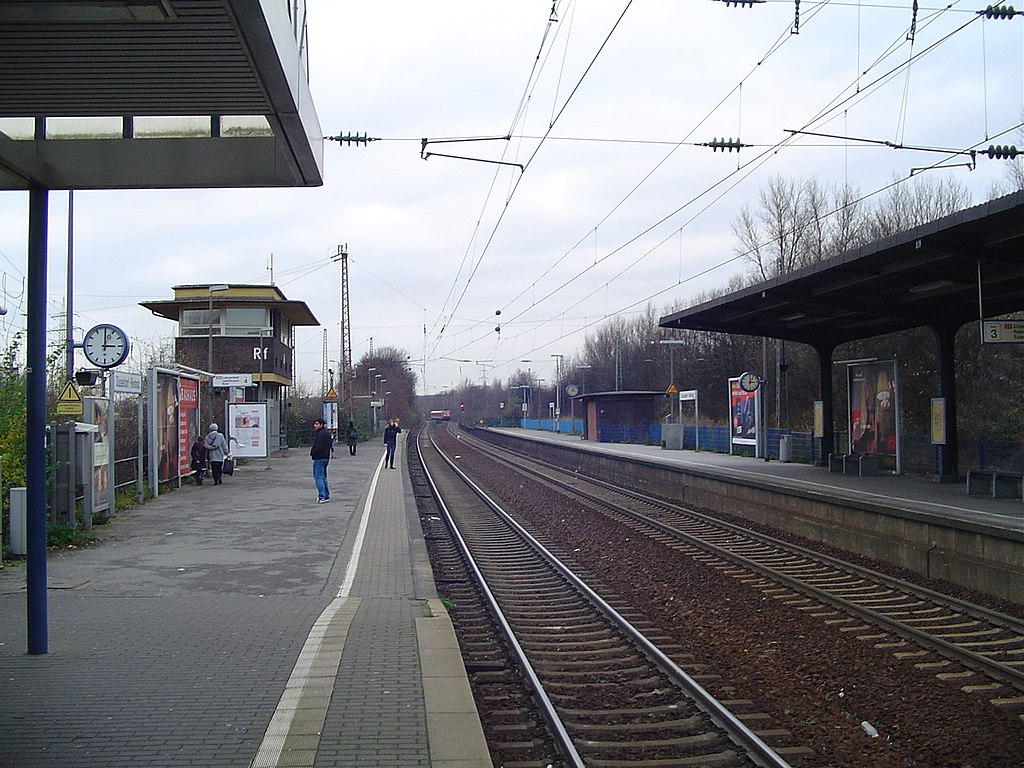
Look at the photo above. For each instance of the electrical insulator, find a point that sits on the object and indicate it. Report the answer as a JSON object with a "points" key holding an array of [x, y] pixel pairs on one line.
{"points": [[1002, 152], [726, 145], [741, 3], [1000, 12], [352, 138]]}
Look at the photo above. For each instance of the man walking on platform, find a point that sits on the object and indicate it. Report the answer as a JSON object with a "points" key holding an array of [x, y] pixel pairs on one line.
{"points": [[321, 455], [390, 441]]}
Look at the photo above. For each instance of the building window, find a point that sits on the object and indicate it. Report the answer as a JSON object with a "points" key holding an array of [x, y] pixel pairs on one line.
{"points": [[229, 321], [245, 321], [197, 322]]}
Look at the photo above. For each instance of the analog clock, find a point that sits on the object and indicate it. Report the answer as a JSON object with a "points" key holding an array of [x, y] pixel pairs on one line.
{"points": [[749, 382], [105, 345]]}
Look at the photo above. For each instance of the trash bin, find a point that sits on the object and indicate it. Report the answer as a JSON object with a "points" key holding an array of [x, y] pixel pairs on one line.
{"points": [[786, 448]]}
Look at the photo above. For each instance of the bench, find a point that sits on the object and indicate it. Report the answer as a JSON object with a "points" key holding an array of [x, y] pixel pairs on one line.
{"points": [[995, 483], [853, 463]]}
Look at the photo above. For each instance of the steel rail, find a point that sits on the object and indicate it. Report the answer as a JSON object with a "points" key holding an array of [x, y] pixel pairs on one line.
{"points": [[756, 749], [560, 733], [990, 667]]}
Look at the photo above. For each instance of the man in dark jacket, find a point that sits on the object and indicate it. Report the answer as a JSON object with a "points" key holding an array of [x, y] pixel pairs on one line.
{"points": [[321, 455], [390, 440]]}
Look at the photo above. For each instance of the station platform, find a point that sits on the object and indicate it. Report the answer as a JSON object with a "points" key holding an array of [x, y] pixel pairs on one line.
{"points": [[244, 625], [915, 494]]}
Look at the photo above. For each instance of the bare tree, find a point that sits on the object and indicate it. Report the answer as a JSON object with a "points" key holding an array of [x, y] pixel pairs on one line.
{"points": [[909, 204], [797, 224]]}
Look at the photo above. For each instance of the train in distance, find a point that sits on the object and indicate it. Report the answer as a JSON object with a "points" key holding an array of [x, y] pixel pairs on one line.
{"points": [[444, 415]]}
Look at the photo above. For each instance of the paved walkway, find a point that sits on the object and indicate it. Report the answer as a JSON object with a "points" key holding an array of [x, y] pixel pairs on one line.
{"points": [[243, 624]]}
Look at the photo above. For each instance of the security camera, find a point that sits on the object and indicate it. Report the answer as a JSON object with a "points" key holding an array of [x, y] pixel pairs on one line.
{"points": [[3, 310]]}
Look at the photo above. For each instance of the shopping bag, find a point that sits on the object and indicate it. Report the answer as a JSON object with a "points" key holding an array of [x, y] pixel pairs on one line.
{"points": [[229, 466]]}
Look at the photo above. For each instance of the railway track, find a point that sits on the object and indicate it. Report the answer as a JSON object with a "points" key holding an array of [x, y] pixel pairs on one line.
{"points": [[980, 650], [606, 694]]}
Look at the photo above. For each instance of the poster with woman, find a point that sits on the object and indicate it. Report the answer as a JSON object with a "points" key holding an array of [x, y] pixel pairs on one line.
{"points": [[167, 425], [872, 399]]}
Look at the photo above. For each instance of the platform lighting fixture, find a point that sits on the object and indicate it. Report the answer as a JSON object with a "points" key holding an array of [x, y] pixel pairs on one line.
{"points": [[263, 332], [211, 289]]}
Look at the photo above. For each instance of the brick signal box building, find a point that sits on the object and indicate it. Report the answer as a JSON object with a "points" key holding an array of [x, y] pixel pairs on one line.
{"points": [[238, 329]]}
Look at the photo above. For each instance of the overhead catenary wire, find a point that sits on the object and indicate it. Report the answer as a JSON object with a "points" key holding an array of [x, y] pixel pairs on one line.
{"points": [[779, 146], [504, 209]]}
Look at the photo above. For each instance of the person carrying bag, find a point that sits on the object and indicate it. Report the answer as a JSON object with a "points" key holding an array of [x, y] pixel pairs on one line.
{"points": [[217, 450]]}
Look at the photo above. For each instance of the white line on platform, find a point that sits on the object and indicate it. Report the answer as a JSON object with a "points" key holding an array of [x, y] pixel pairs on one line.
{"points": [[313, 657]]}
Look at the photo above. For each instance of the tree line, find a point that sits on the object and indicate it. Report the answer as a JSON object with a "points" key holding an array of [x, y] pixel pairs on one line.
{"points": [[794, 224]]}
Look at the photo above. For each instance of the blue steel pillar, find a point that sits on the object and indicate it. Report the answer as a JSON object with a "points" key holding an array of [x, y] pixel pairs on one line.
{"points": [[35, 440]]}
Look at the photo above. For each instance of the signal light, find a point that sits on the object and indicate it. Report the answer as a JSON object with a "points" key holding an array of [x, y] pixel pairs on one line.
{"points": [[1002, 152], [462, 407], [1000, 12]]}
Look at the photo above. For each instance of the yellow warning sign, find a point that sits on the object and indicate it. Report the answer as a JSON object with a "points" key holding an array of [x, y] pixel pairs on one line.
{"points": [[70, 402], [331, 394], [672, 389]]}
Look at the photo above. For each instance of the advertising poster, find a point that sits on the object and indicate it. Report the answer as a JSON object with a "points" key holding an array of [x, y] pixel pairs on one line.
{"points": [[98, 413], [330, 411], [872, 397], [167, 426], [188, 421], [938, 419], [247, 429], [743, 413]]}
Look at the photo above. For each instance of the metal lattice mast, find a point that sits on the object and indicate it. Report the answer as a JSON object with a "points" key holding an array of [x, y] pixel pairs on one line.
{"points": [[346, 374]]}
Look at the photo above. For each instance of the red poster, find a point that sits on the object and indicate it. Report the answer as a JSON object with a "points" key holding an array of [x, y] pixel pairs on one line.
{"points": [[188, 421]]}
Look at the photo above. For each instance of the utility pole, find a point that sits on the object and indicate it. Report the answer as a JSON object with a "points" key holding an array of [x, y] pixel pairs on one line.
{"points": [[345, 384]]}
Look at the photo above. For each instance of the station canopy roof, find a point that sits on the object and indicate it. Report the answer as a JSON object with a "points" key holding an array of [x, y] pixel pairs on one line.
{"points": [[927, 276], [120, 94]]}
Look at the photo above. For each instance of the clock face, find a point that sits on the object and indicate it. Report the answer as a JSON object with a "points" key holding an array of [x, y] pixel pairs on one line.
{"points": [[749, 382], [105, 346]]}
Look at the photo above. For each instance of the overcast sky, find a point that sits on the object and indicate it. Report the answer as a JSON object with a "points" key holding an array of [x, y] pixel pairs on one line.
{"points": [[617, 206]]}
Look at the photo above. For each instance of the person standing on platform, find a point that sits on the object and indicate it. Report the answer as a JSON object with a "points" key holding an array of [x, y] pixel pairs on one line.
{"points": [[390, 441], [321, 455], [352, 438], [198, 454], [216, 451]]}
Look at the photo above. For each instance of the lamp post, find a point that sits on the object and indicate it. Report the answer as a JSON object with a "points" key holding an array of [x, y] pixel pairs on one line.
{"points": [[369, 397], [211, 289], [378, 379], [558, 391], [263, 331], [584, 368]]}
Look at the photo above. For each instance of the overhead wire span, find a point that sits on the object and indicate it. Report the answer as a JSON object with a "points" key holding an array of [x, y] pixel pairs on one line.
{"points": [[452, 288], [515, 187], [772, 49], [759, 160]]}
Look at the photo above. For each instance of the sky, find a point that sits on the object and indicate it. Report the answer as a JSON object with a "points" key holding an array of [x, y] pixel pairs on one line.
{"points": [[603, 201]]}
